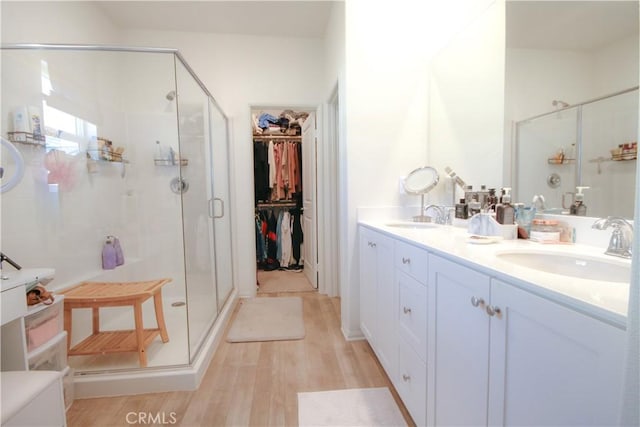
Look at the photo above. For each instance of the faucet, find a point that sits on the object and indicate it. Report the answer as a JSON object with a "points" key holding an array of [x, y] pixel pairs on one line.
{"points": [[621, 238], [441, 216]]}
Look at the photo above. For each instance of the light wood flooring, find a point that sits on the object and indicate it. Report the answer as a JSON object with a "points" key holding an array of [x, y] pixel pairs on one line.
{"points": [[256, 384]]}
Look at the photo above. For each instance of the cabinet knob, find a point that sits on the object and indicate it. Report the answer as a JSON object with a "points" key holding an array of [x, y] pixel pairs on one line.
{"points": [[406, 310], [493, 310], [406, 260], [372, 245], [406, 377], [475, 301]]}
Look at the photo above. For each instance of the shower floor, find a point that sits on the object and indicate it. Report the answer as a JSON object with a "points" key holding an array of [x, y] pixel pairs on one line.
{"points": [[174, 352]]}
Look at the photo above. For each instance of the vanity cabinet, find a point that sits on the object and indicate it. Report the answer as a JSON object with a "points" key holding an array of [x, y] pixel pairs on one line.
{"points": [[503, 356], [550, 364], [458, 345], [411, 314], [377, 297]]}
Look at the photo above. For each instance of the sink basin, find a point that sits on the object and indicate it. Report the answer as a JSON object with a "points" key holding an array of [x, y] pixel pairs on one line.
{"points": [[584, 267], [414, 225]]}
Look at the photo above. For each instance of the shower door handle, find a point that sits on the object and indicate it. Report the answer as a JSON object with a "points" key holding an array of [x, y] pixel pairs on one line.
{"points": [[221, 206]]}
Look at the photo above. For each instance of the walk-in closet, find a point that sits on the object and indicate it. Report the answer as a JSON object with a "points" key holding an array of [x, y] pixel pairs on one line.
{"points": [[279, 188]]}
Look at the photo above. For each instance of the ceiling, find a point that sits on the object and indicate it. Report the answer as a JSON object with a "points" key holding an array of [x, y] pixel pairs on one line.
{"points": [[569, 24], [260, 18]]}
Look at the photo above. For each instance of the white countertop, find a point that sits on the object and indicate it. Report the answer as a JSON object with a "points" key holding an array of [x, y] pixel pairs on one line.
{"points": [[12, 278], [607, 301]]}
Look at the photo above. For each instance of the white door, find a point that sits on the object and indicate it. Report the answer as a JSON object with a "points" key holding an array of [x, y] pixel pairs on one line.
{"points": [[309, 218]]}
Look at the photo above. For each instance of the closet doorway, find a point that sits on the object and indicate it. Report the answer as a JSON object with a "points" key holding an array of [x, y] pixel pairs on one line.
{"points": [[285, 189]]}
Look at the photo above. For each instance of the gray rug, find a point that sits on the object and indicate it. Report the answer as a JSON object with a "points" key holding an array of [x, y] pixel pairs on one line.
{"points": [[353, 407], [268, 319]]}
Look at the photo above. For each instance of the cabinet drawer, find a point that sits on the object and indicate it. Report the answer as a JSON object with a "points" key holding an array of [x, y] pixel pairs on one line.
{"points": [[412, 312], [411, 260], [51, 356], [43, 324], [412, 382]]}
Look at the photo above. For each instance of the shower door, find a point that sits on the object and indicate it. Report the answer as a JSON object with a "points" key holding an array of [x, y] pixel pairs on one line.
{"points": [[195, 185]]}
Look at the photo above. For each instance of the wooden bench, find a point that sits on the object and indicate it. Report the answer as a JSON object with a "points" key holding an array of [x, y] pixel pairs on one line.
{"points": [[95, 295]]}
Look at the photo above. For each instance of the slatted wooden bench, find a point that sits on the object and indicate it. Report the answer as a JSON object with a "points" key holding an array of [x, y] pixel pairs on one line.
{"points": [[96, 295]]}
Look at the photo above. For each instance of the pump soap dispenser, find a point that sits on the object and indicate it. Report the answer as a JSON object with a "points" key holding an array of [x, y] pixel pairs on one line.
{"points": [[505, 213], [578, 207]]}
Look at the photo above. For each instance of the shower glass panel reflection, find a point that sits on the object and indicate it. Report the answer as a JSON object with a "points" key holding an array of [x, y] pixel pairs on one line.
{"points": [[557, 151], [128, 139]]}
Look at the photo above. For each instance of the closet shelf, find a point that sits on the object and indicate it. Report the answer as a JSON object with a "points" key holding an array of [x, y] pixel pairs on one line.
{"points": [[287, 204], [277, 137]]}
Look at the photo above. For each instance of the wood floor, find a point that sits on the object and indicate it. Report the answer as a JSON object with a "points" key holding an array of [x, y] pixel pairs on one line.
{"points": [[255, 384]]}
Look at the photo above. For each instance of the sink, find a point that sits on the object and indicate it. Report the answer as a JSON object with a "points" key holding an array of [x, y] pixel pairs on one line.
{"points": [[414, 225], [580, 266]]}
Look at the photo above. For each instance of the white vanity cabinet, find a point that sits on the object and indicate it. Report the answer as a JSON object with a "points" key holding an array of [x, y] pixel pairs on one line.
{"points": [[411, 313], [503, 356], [551, 365], [377, 297], [458, 344]]}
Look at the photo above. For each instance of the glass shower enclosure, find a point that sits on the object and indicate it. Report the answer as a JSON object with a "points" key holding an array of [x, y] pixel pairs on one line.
{"points": [[126, 143]]}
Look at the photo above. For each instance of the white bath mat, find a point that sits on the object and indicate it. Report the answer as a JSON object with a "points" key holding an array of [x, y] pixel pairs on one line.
{"points": [[353, 407], [268, 319]]}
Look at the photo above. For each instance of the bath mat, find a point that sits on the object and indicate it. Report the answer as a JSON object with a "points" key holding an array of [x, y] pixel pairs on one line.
{"points": [[268, 319], [353, 407]]}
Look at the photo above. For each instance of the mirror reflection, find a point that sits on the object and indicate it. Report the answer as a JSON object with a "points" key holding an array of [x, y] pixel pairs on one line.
{"points": [[571, 98]]}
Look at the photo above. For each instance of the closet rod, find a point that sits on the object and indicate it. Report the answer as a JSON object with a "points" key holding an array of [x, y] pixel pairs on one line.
{"points": [[277, 205]]}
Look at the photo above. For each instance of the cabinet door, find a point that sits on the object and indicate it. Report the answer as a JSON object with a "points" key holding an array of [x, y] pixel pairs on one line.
{"points": [[458, 350], [551, 365], [385, 311], [368, 273]]}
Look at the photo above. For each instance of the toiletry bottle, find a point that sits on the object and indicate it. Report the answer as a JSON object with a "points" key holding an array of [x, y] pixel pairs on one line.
{"points": [[462, 210], [468, 194], [505, 213], [492, 200], [578, 207], [483, 195]]}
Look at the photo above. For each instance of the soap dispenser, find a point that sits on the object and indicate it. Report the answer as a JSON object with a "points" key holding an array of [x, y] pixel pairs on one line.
{"points": [[578, 207], [505, 213]]}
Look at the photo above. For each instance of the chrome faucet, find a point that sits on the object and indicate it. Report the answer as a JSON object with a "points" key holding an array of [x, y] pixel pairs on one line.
{"points": [[621, 237], [441, 216]]}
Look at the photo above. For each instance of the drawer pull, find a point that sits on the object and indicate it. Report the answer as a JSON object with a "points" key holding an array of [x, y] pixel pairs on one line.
{"points": [[406, 260], [372, 245], [406, 310], [406, 377], [493, 310], [475, 301]]}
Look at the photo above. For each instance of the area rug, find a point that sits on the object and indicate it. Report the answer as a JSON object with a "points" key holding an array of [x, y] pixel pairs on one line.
{"points": [[283, 281], [353, 407], [268, 319]]}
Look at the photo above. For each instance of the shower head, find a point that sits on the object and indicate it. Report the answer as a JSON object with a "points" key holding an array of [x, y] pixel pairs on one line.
{"points": [[171, 95]]}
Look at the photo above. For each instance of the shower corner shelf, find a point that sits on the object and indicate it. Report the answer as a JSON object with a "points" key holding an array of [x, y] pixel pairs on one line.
{"points": [[27, 138], [554, 161], [168, 162]]}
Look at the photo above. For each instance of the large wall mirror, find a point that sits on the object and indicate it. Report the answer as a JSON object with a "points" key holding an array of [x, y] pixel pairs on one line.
{"points": [[571, 99]]}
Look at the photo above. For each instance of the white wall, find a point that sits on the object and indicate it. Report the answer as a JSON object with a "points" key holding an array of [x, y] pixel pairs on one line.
{"points": [[241, 71]]}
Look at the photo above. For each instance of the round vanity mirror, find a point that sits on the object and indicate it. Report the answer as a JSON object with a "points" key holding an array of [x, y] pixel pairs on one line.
{"points": [[421, 180]]}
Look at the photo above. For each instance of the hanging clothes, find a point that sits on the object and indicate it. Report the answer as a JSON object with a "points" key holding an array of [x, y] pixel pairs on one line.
{"points": [[262, 190], [285, 240], [296, 234]]}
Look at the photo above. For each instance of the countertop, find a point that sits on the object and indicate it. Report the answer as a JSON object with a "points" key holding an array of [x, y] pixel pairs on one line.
{"points": [[607, 301]]}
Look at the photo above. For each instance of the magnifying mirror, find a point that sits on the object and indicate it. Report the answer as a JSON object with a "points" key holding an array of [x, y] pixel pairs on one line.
{"points": [[419, 182]]}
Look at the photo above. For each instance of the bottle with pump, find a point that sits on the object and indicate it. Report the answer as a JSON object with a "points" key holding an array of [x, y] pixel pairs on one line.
{"points": [[505, 213], [578, 207]]}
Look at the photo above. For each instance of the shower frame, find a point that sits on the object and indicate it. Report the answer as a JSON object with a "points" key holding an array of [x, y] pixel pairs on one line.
{"points": [[181, 377]]}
